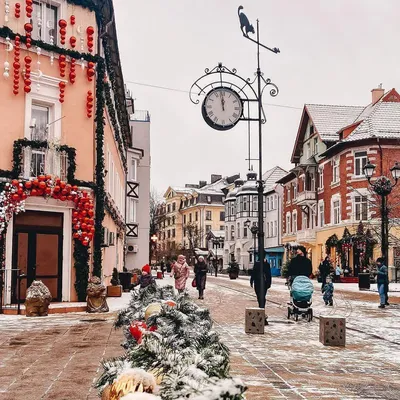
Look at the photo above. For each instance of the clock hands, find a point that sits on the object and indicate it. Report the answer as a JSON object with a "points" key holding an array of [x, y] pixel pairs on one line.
{"points": [[223, 103]]}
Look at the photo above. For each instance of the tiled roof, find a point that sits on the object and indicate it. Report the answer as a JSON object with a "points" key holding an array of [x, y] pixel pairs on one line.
{"points": [[272, 176], [329, 119]]}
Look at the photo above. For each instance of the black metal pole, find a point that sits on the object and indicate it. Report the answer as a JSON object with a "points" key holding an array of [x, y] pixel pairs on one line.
{"points": [[384, 230], [261, 285]]}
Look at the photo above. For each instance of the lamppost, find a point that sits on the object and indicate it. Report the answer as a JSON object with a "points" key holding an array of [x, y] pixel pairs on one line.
{"points": [[154, 240], [382, 186], [228, 99], [216, 244], [254, 231]]}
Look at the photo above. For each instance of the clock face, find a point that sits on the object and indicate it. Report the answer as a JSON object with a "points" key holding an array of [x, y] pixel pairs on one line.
{"points": [[222, 108]]}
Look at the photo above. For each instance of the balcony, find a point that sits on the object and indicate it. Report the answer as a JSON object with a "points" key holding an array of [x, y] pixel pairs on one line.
{"points": [[306, 198], [307, 235]]}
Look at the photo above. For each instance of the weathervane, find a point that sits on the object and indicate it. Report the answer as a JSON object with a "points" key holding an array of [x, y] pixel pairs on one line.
{"points": [[227, 100]]}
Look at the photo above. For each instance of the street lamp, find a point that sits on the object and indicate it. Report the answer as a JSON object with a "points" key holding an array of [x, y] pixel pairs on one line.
{"points": [[382, 186], [154, 240], [254, 231]]}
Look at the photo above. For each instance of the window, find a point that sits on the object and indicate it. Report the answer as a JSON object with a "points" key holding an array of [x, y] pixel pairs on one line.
{"points": [[190, 218], [169, 221], [168, 208], [288, 194], [184, 231], [132, 207], [133, 170], [294, 221], [222, 216], [173, 220], [226, 232], [169, 234], [196, 216], [244, 233], [245, 203], [232, 232], [272, 203], [312, 181], [173, 232], [173, 206], [311, 130], [294, 191], [271, 229], [321, 214], [336, 211], [221, 227], [305, 221], [275, 228], [360, 208], [321, 178], [315, 146], [184, 219], [308, 150], [267, 229], [44, 22], [208, 215], [238, 231], [208, 199], [287, 223], [335, 170], [255, 203], [208, 228], [360, 159]]}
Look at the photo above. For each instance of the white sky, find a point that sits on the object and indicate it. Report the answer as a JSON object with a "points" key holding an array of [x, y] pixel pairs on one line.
{"points": [[332, 52]]}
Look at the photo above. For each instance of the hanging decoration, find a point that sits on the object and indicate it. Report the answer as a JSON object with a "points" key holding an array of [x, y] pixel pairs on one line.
{"points": [[89, 104], [27, 77], [90, 71], [28, 31], [17, 11], [38, 63], [29, 8], [62, 23], [72, 20], [6, 65], [62, 64], [90, 42], [72, 41], [16, 65], [62, 85], [7, 11], [12, 201], [72, 73]]}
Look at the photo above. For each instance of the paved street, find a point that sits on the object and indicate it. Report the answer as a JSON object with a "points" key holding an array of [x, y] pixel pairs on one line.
{"points": [[58, 357]]}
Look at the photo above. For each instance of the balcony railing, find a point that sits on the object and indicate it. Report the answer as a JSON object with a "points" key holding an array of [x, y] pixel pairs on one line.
{"points": [[306, 235], [307, 196]]}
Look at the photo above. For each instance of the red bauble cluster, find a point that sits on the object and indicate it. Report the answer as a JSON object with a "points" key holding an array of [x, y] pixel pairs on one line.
{"points": [[82, 219], [72, 73], [72, 19], [17, 12], [89, 103], [27, 78], [62, 85], [62, 64], [16, 64], [28, 31], [29, 8], [90, 40], [72, 41], [90, 71], [62, 23]]}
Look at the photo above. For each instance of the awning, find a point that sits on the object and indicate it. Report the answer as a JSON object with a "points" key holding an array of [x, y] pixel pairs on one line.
{"points": [[277, 249], [200, 252]]}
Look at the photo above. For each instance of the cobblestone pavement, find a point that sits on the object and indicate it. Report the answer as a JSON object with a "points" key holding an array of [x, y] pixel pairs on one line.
{"points": [[58, 357]]}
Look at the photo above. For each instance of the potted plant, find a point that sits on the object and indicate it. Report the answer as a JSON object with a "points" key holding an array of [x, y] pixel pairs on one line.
{"points": [[233, 269], [115, 289]]}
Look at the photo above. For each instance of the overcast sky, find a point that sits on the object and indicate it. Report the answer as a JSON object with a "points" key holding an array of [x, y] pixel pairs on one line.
{"points": [[332, 52]]}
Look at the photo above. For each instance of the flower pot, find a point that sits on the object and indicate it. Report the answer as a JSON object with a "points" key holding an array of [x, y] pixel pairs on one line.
{"points": [[114, 291], [233, 275]]}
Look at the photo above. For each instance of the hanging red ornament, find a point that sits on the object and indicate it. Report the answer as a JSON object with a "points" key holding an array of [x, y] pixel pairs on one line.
{"points": [[16, 65], [28, 29], [72, 74], [90, 74], [62, 23], [72, 41], [72, 19], [89, 104], [17, 11], [62, 64], [90, 42]]}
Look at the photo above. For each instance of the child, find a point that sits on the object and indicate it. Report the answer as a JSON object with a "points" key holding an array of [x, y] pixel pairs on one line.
{"points": [[146, 279], [327, 290]]}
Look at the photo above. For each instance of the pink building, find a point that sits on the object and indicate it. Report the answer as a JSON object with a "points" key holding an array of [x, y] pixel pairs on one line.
{"points": [[65, 130]]}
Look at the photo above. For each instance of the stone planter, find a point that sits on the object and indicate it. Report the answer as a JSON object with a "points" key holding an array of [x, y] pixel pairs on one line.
{"points": [[114, 291], [233, 275]]}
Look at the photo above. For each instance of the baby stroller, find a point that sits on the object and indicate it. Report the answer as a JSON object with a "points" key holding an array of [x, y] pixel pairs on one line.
{"points": [[301, 291]]}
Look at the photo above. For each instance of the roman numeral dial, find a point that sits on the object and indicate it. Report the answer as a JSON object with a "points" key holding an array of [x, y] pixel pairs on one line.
{"points": [[222, 108]]}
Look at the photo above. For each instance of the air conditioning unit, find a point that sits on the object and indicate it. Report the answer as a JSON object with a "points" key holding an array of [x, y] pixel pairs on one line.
{"points": [[133, 248], [106, 237], [111, 240]]}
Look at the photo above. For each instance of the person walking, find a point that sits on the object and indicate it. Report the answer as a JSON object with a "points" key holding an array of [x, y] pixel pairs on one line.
{"points": [[327, 291], [200, 271], [255, 280], [163, 268], [324, 269], [382, 281], [180, 271], [299, 265]]}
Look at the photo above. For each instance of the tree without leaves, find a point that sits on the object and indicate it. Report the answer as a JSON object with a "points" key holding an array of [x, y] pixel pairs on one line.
{"points": [[195, 236]]}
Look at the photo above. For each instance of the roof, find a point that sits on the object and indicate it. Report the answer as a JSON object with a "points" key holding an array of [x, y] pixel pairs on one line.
{"points": [[329, 119], [177, 189], [272, 176]]}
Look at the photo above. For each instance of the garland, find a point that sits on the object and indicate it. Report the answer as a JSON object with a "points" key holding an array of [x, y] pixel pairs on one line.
{"points": [[89, 4], [114, 214], [100, 167], [81, 257], [114, 122]]}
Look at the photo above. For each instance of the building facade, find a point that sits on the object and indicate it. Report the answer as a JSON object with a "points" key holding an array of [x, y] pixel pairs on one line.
{"points": [[138, 192], [64, 121], [327, 191]]}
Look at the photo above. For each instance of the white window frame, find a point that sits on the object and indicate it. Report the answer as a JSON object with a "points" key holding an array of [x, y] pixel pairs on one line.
{"points": [[294, 221], [316, 146], [321, 214], [275, 228], [362, 160], [360, 203], [295, 191], [335, 167], [267, 230], [132, 207], [288, 194], [308, 147], [321, 177], [133, 170], [288, 223], [304, 221], [336, 221]]}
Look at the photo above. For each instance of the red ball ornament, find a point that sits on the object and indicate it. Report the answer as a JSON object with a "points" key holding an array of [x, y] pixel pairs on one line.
{"points": [[77, 227], [90, 30], [15, 197], [63, 198], [42, 185], [63, 31], [76, 235], [62, 23], [16, 65], [136, 329], [27, 89], [27, 60], [15, 182], [48, 191], [29, 2], [90, 73], [28, 27], [15, 91], [90, 235], [35, 182], [28, 184], [61, 86], [34, 192], [72, 41], [72, 19], [57, 189]]}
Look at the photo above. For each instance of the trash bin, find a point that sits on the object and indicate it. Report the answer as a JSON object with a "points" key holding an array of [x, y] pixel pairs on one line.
{"points": [[159, 275], [125, 279], [363, 281]]}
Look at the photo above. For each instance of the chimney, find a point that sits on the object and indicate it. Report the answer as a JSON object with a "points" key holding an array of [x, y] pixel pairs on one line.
{"points": [[377, 93], [215, 178], [202, 184]]}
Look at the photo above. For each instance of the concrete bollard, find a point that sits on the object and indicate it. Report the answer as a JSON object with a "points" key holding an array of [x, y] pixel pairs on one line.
{"points": [[332, 331], [255, 320]]}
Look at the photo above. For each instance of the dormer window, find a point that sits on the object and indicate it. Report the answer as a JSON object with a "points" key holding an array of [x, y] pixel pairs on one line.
{"points": [[311, 130], [208, 199]]}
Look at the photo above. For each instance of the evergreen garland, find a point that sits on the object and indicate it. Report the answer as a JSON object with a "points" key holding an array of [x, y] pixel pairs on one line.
{"points": [[100, 167], [81, 257], [184, 350], [89, 4], [114, 214]]}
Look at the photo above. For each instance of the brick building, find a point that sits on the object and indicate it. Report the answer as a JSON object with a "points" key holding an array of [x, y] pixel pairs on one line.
{"points": [[327, 191]]}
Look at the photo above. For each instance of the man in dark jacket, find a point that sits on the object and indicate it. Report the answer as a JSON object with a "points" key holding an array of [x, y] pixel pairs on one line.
{"points": [[324, 269], [382, 281], [299, 265], [255, 281]]}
